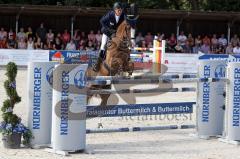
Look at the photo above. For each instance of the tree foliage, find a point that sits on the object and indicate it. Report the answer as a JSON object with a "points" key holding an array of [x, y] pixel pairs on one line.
{"points": [[208, 5]]}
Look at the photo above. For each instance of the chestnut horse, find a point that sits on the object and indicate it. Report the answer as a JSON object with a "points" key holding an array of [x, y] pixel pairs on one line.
{"points": [[117, 58]]}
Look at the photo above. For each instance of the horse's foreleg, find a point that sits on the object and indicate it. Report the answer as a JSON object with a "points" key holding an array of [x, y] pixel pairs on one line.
{"points": [[104, 98]]}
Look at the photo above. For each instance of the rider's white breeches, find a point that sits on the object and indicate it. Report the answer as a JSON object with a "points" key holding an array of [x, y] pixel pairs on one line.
{"points": [[104, 41]]}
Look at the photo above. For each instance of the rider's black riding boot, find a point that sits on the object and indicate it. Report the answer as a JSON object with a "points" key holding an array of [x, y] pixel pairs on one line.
{"points": [[100, 59]]}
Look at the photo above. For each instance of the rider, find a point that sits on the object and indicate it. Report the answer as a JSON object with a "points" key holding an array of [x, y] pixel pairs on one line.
{"points": [[110, 23]]}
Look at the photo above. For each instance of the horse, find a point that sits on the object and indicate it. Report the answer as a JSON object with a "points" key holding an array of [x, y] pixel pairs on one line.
{"points": [[117, 59]]}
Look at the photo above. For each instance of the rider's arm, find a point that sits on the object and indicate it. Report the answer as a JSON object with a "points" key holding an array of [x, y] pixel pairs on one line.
{"points": [[105, 20]]}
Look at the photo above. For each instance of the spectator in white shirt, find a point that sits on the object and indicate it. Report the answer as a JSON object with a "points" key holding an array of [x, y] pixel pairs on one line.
{"points": [[222, 41], [182, 39], [71, 45], [3, 34], [236, 49], [139, 39], [30, 44]]}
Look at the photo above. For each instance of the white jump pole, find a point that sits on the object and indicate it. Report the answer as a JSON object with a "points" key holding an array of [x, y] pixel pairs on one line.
{"points": [[40, 101], [210, 99]]}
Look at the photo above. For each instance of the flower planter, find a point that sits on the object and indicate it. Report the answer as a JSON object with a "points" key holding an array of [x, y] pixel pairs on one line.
{"points": [[12, 141]]}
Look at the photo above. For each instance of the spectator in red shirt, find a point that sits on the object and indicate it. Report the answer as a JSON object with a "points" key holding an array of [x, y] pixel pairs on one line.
{"points": [[3, 43], [65, 37], [172, 41]]}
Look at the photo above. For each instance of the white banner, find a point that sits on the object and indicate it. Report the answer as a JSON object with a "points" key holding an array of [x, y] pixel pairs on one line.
{"points": [[180, 63], [22, 57]]}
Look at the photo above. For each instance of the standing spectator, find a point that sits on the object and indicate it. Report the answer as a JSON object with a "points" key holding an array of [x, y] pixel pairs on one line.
{"points": [[98, 36], [91, 36], [139, 39], [71, 45], [21, 35], [38, 44], [3, 43], [229, 49], [236, 49], [11, 44], [235, 40], [214, 43], [50, 36], [222, 41], [41, 32], [182, 39], [29, 33], [148, 38], [3, 33], [11, 34], [30, 43], [65, 37], [22, 44]]}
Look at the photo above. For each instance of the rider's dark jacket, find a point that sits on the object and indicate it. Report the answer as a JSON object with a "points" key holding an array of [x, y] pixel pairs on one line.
{"points": [[109, 24]]}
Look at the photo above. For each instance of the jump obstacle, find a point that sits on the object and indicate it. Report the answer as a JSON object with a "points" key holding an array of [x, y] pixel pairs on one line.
{"points": [[65, 128]]}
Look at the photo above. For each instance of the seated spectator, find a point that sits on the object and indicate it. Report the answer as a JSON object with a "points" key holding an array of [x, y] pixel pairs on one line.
{"points": [[222, 41], [205, 48], [3, 33], [50, 36], [90, 46], [229, 49], [98, 36], [58, 44], [65, 37], [30, 43], [91, 37], [190, 42], [178, 48], [160, 36], [150, 45], [11, 44], [235, 40], [11, 34], [220, 49], [29, 33], [41, 33], [206, 40], [139, 39], [236, 49], [181, 39], [198, 41], [21, 35], [172, 41], [83, 36], [71, 45], [3, 43], [214, 43], [143, 44], [22, 44], [188, 48], [38, 44], [148, 38]]}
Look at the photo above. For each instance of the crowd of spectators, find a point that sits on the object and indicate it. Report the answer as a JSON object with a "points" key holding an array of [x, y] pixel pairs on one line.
{"points": [[44, 38]]}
